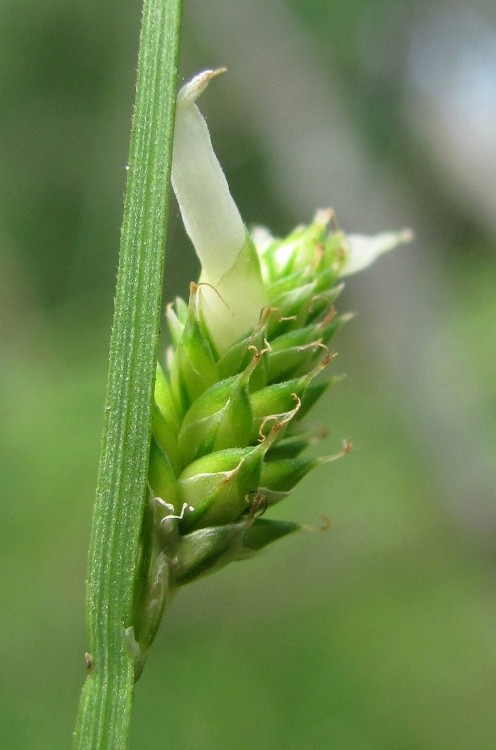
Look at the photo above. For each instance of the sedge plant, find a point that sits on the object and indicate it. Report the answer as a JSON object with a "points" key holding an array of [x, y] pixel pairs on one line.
{"points": [[248, 359], [201, 443]]}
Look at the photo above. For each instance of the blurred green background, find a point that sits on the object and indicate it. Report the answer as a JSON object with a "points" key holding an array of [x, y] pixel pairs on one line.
{"points": [[380, 633]]}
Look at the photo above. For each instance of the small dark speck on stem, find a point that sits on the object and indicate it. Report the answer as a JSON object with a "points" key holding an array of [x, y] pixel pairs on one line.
{"points": [[88, 660]]}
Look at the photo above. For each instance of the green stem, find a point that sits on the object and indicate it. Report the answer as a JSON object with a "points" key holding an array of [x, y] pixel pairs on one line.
{"points": [[106, 701]]}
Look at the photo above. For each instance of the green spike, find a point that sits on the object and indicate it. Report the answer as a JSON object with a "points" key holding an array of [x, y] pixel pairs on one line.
{"points": [[164, 398], [161, 476], [284, 363], [228, 436], [262, 533], [287, 448], [206, 550], [220, 418], [217, 487], [165, 435], [284, 474], [194, 368], [174, 323]]}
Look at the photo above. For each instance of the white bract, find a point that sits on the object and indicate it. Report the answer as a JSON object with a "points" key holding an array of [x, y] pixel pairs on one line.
{"points": [[233, 293], [364, 250]]}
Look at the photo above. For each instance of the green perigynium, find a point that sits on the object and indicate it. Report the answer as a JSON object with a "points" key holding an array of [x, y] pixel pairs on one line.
{"points": [[240, 376]]}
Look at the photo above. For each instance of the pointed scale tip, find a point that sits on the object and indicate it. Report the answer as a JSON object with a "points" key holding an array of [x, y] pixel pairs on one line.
{"points": [[192, 90]]}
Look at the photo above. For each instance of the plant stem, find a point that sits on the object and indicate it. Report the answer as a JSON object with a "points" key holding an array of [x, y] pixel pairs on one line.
{"points": [[106, 701]]}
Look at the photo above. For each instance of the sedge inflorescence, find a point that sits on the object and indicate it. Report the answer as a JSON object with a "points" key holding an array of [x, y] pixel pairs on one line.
{"points": [[228, 428], [248, 359]]}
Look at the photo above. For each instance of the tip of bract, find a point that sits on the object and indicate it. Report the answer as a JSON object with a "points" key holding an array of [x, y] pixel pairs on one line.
{"points": [[364, 250], [194, 88]]}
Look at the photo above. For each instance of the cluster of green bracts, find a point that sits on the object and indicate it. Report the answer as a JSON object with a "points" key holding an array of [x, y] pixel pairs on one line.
{"points": [[228, 431], [241, 374]]}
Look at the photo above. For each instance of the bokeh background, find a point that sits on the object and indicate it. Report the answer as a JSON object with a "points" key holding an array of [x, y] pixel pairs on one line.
{"points": [[380, 633]]}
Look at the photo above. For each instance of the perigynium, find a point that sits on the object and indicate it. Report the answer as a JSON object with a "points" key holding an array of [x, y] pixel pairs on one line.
{"points": [[249, 357]]}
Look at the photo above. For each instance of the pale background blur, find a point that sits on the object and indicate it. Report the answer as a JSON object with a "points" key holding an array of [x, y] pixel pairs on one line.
{"points": [[381, 633]]}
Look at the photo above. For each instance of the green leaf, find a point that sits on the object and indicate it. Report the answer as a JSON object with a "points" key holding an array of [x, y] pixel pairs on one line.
{"points": [[106, 701]]}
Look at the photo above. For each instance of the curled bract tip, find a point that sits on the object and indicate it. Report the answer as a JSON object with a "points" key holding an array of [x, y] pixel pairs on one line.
{"points": [[323, 216], [192, 90]]}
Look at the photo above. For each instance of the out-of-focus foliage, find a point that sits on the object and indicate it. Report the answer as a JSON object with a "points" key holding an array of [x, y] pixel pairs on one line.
{"points": [[379, 633]]}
